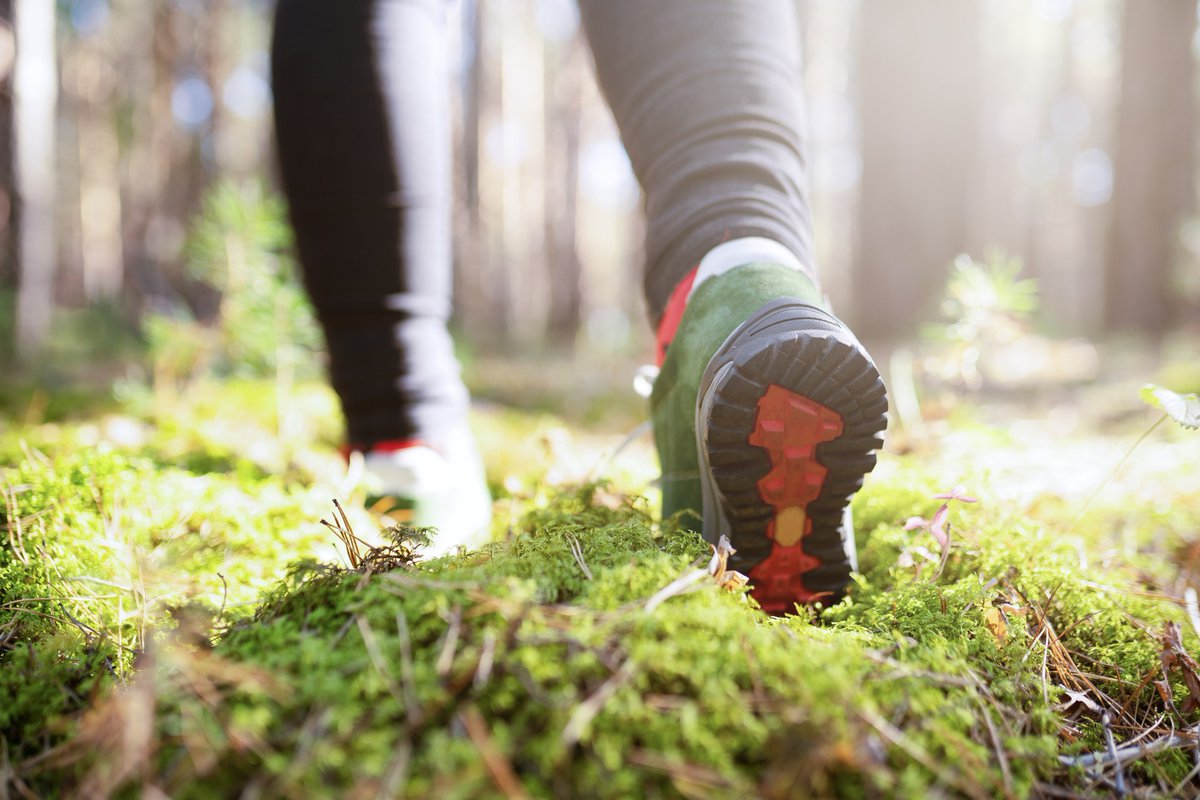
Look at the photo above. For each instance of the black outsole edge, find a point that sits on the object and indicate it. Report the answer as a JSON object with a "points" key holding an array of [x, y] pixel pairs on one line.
{"points": [[807, 351]]}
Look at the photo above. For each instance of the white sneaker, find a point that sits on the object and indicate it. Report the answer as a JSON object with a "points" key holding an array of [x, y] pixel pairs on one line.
{"points": [[447, 489]]}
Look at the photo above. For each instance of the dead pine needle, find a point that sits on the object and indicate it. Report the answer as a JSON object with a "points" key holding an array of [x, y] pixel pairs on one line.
{"points": [[377, 659], [224, 596], [411, 704], [449, 643], [896, 736], [577, 552], [586, 711], [1193, 608], [396, 774], [498, 765], [685, 583], [345, 533], [1187, 779], [998, 748], [487, 659]]}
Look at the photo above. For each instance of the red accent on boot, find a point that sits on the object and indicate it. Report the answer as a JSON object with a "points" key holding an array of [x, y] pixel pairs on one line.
{"points": [[789, 427], [386, 446], [673, 313]]}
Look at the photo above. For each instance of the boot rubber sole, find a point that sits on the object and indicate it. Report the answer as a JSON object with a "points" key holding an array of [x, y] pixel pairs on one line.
{"points": [[790, 412]]}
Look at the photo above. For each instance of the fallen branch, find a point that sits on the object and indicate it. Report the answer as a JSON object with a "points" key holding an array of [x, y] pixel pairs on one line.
{"points": [[1128, 753]]}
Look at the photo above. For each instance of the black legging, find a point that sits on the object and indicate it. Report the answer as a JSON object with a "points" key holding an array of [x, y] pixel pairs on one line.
{"points": [[708, 100]]}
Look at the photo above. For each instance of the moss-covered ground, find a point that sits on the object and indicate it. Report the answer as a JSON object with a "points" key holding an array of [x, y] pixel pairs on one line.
{"points": [[176, 622]]}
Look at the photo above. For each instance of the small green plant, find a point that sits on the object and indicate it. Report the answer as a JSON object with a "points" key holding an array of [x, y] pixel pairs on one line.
{"points": [[264, 325], [1184, 409], [988, 298], [986, 304]]}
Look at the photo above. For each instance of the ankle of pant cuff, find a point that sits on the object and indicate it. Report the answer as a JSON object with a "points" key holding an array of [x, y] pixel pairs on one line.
{"points": [[724, 257]]}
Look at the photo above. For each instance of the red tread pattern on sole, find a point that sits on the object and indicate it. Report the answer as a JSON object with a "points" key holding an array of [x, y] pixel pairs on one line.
{"points": [[789, 426]]}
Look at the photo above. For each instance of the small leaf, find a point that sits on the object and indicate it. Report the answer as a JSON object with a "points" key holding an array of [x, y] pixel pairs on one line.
{"points": [[924, 553], [1078, 697], [1174, 655], [937, 526], [726, 578], [1184, 409], [733, 580], [995, 623], [1011, 610], [958, 493]]}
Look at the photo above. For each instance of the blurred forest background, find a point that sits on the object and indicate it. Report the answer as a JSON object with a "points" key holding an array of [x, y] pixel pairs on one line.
{"points": [[136, 164]]}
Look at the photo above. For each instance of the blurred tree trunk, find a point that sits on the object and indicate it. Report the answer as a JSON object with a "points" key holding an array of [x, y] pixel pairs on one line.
{"points": [[495, 186], [167, 176], [147, 66], [1155, 163], [8, 231], [564, 68], [920, 78], [472, 81], [98, 164], [478, 287], [519, 196], [35, 93]]}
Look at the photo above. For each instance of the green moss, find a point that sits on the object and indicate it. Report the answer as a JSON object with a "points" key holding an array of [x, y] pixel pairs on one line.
{"points": [[543, 651]]}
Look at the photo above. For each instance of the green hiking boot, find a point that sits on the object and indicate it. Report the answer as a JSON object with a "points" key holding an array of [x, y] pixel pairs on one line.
{"points": [[767, 414]]}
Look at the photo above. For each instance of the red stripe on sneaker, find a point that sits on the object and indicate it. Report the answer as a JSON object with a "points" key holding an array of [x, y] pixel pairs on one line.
{"points": [[392, 445], [789, 427], [673, 314], [386, 446]]}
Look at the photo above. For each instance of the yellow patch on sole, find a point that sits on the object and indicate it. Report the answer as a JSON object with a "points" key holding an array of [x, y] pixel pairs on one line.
{"points": [[789, 526]]}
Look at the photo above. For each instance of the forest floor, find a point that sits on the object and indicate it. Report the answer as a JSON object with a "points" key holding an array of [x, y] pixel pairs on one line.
{"points": [[175, 621]]}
